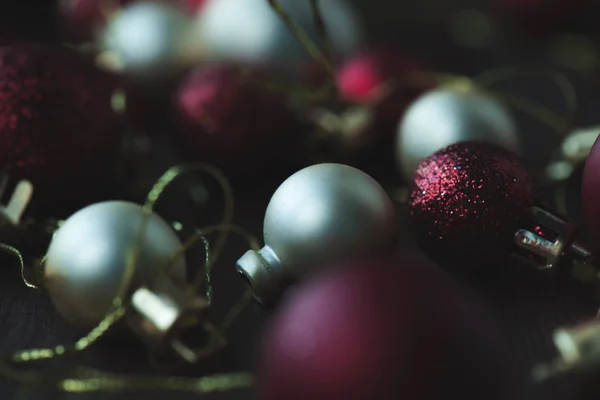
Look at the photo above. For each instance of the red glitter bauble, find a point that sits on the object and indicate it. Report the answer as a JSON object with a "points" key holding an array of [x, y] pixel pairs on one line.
{"points": [[228, 118], [57, 126], [382, 331], [194, 5], [590, 190], [361, 78], [468, 201]]}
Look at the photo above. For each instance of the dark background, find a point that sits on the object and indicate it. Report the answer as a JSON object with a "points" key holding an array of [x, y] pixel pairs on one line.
{"points": [[528, 312]]}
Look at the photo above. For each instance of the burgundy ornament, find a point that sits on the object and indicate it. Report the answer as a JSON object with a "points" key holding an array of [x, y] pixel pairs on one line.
{"points": [[57, 126], [375, 331], [227, 116], [194, 5], [472, 205], [590, 189]]}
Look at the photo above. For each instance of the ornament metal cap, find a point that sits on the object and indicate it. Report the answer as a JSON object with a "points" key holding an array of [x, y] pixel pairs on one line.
{"points": [[161, 314], [19, 200], [579, 350], [263, 271], [551, 246]]}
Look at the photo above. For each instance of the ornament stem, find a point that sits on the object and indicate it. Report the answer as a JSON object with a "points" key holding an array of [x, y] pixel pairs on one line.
{"points": [[578, 347], [558, 250], [263, 272]]}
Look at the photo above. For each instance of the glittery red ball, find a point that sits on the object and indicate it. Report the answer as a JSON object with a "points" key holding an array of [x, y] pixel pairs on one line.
{"points": [[57, 126], [590, 190], [375, 331], [468, 201], [228, 118]]}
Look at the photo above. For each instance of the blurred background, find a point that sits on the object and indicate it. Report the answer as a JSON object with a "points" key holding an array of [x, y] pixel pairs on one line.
{"points": [[163, 71]]}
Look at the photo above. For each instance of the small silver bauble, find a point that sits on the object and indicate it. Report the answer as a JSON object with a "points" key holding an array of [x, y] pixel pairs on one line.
{"points": [[148, 38], [321, 216], [443, 117], [88, 256], [250, 31]]}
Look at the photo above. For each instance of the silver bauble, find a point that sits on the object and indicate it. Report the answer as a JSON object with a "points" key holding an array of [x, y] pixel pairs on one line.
{"points": [[250, 31], [443, 117], [148, 38], [88, 256], [321, 216]]}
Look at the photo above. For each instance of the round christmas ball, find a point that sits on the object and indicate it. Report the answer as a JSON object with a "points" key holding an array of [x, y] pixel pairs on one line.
{"points": [[442, 117], [227, 117], [57, 126], [590, 190], [89, 254], [150, 39], [363, 76], [467, 202], [321, 215], [250, 31], [380, 330]]}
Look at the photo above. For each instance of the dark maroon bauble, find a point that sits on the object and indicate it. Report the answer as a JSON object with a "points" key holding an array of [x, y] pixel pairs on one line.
{"points": [[382, 331], [541, 17], [57, 126], [467, 202], [226, 116], [590, 190], [194, 5]]}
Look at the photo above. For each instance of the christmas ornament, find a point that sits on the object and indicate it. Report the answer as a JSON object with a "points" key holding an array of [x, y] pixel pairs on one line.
{"points": [[228, 118], [375, 331], [443, 117], [250, 31], [88, 255], [321, 215], [472, 205], [57, 127], [150, 38], [365, 75], [590, 189]]}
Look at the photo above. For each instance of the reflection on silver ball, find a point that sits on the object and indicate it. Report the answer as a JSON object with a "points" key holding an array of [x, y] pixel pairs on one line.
{"points": [[148, 37], [249, 30], [88, 255], [443, 117], [323, 215]]}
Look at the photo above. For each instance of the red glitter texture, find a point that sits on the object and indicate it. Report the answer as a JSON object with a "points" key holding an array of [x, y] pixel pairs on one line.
{"points": [[468, 201], [374, 331], [57, 127], [229, 119], [590, 191]]}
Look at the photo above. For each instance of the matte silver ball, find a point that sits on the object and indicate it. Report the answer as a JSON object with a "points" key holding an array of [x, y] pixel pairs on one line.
{"points": [[322, 216], [148, 37], [250, 31], [88, 256], [443, 117]]}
